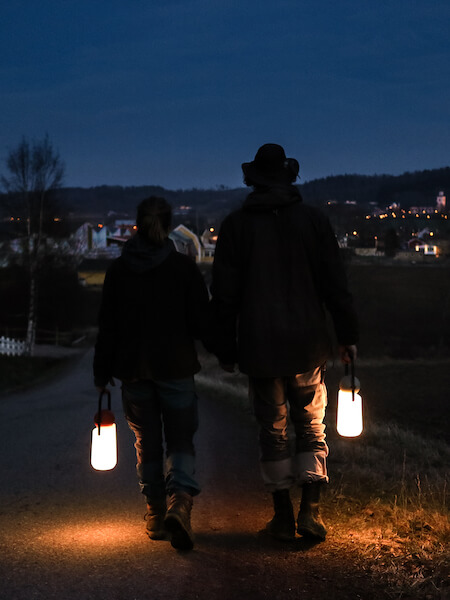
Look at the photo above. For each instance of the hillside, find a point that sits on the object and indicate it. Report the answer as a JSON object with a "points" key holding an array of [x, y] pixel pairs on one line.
{"points": [[409, 189], [418, 188]]}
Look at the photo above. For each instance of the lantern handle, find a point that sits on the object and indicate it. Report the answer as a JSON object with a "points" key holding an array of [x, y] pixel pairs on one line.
{"points": [[108, 394], [352, 365]]}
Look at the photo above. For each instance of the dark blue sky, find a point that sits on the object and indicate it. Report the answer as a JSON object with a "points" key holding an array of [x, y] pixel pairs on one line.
{"points": [[180, 93]]}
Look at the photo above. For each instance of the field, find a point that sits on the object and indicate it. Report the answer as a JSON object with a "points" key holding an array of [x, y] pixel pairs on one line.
{"points": [[404, 310]]}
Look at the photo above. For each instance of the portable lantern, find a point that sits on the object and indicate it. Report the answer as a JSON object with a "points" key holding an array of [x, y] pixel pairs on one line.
{"points": [[104, 437], [349, 407]]}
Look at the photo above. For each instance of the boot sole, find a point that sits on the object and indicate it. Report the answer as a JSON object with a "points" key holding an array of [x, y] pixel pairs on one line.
{"points": [[181, 538], [158, 535]]}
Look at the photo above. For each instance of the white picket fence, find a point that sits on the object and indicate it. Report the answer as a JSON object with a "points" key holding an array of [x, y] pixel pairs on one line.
{"points": [[11, 347]]}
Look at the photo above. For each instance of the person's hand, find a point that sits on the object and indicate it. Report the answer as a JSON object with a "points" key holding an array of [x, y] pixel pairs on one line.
{"points": [[347, 353], [227, 368]]}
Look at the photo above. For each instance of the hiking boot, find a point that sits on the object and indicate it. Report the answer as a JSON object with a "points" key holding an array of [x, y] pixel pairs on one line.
{"points": [[155, 521], [178, 520], [282, 525], [309, 521]]}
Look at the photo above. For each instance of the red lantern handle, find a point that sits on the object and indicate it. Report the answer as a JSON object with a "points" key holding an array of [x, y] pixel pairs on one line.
{"points": [[352, 364], [108, 393]]}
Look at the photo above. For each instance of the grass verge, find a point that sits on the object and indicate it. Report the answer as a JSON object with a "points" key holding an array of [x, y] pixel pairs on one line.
{"points": [[17, 372]]}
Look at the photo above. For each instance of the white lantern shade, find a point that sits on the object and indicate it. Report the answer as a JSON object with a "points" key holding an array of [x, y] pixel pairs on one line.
{"points": [[104, 447], [349, 414]]}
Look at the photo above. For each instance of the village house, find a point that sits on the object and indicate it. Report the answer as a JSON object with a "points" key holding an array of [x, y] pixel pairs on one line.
{"points": [[99, 245]]}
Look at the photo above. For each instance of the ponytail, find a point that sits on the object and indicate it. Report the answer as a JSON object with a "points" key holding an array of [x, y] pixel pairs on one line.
{"points": [[154, 217]]}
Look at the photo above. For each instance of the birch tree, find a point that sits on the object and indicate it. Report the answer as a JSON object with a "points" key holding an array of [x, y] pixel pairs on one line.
{"points": [[35, 170]]}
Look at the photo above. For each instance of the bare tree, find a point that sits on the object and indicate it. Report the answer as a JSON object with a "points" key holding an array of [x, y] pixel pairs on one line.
{"points": [[34, 170]]}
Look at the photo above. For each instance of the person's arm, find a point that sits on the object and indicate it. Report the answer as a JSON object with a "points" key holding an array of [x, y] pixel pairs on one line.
{"points": [[198, 299], [225, 292], [348, 353]]}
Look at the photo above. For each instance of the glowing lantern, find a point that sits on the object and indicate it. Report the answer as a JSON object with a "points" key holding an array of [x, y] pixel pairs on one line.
{"points": [[349, 408], [104, 438]]}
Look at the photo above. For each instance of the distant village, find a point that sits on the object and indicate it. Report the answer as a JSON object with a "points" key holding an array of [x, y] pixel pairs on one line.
{"points": [[402, 233], [99, 243], [412, 234]]}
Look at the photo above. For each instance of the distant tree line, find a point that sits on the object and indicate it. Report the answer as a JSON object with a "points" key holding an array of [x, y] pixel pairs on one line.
{"points": [[409, 189], [418, 188], [105, 199]]}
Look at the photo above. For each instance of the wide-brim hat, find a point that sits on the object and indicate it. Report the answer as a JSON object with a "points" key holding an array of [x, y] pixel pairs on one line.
{"points": [[270, 166]]}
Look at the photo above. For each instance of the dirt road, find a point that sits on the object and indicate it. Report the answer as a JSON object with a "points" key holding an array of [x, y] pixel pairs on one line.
{"points": [[69, 532]]}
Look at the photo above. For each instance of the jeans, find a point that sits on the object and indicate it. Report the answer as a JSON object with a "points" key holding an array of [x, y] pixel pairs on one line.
{"points": [[302, 399], [161, 412]]}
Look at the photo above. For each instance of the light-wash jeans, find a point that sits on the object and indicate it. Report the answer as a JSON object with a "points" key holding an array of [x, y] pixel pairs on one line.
{"points": [[163, 413]]}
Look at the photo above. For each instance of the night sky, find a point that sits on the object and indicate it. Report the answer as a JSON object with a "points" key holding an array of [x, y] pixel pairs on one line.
{"points": [[180, 93]]}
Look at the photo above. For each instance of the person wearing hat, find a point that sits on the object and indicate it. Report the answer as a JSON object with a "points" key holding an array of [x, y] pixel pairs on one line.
{"points": [[276, 269]]}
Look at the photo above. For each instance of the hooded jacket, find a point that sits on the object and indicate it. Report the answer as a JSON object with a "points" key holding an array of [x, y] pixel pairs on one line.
{"points": [[276, 269], [153, 306]]}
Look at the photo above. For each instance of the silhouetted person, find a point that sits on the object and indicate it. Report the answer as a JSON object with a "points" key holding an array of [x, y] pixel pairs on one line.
{"points": [[153, 304], [276, 267]]}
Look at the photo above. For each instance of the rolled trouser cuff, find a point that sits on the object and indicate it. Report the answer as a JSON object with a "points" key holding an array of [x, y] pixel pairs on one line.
{"points": [[181, 474], [277, 474], [151, 481], [311, 466]]}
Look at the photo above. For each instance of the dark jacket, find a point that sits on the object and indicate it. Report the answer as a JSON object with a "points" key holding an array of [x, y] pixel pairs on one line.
{"points": [[276, 268], [153, 306]]}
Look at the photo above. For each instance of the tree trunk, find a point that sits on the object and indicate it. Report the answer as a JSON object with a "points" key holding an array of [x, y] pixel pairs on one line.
{"points": [[31, 327], [32, 302]]}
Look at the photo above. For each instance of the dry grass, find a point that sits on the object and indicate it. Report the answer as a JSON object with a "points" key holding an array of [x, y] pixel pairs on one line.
{"points": [[406, 548], [387, 502]]}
